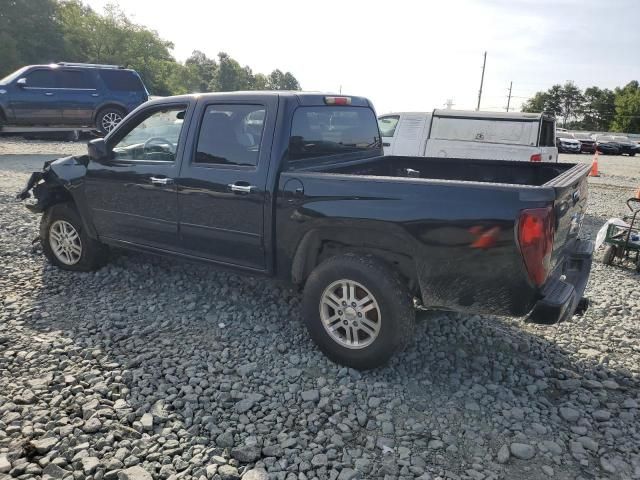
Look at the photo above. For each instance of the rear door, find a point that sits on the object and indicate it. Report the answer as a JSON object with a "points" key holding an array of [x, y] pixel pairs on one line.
{"points": [[222, 185], [132, 193], [411, 135], [547, 140], [37, 102], [77, 95]]}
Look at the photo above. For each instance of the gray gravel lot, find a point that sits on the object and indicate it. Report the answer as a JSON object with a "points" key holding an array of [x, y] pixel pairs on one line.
{"points": [[153, 368]]}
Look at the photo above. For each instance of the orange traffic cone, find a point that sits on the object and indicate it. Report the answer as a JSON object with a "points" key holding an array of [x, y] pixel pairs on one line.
{"points": [[594, 166]]}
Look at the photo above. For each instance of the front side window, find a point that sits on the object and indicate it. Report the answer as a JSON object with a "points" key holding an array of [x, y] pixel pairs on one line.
{"points": [[230, 135], [13, 76], [41, 79], [388, 125], [328, 131], [154, 139]]}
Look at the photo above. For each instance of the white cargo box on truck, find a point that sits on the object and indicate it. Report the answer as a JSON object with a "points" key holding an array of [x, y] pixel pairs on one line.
{"points": [[470, 134]]}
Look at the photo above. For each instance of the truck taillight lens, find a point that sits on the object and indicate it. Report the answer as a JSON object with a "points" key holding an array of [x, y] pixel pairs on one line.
{"points": [[337, 100], [536, 229], [536, 157]]}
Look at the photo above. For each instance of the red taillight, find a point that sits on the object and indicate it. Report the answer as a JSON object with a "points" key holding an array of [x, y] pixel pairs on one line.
{"points": [[536, 228], [337, 100], [536, 157]]}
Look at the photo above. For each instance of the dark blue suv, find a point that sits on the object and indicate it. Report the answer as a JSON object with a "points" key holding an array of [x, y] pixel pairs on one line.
{"points": [[70, 95]]}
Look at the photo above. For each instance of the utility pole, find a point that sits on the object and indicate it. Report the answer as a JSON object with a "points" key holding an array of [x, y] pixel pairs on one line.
{"points": [[340, 89], [509, 97], [484, 64], [449, 103]]}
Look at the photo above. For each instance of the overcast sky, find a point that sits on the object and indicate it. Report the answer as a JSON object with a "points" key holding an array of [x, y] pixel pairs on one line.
{"points": [[411, 55]]}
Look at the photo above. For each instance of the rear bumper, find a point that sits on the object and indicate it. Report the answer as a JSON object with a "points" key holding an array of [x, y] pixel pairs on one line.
{"points": [[562, 293]]}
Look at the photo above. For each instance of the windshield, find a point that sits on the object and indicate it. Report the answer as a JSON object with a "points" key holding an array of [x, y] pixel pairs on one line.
{"points": [[621, 138], [12, 76], [332, 131]]}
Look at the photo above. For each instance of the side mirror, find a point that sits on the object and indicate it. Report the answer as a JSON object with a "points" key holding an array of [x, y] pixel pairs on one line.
{"points": [[21, 82], [98, 149]]}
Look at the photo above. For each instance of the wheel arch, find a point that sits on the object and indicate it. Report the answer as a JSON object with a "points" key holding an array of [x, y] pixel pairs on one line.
{"points": [[110, 104], [319, 245]]}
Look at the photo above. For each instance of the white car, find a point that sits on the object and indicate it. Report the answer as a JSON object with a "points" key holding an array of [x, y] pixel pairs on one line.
{"points": [[470, 134]]}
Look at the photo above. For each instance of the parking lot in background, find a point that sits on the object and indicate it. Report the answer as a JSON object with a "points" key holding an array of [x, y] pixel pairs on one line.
{"points": [[193, 371]]}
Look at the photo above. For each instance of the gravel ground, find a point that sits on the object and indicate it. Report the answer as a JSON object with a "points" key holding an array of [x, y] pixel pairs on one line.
{"points": [[152, 368]]}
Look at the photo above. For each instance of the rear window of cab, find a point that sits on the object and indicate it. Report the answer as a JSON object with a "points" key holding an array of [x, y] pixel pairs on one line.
{"points": [[321, 131]]}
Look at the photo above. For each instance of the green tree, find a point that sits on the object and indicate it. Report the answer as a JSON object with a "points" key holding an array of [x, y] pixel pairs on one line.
{"points": [[29, 33], [42, 31], [230, 75], [201, 70], [598, 109], [627, 104], [563, 101]]}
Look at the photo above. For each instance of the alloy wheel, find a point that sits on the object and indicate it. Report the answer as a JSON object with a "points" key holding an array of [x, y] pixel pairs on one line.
{"points": [[350, 314], [65, 242], [110, 120]]}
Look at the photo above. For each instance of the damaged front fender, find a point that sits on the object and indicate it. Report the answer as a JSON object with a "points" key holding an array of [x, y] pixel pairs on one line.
{"points": [[58, 182]]}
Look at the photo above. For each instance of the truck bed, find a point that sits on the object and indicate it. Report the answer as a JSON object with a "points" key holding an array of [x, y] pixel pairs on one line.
{"points": [[453, 221], [456, 169]]}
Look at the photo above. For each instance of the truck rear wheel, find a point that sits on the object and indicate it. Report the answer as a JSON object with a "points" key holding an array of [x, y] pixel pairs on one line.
{"points": [[357, 310], [65, 242]]}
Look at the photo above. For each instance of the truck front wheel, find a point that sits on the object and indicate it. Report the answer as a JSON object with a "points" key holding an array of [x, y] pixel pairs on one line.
{"points": [[358, 310], [65, 242]]}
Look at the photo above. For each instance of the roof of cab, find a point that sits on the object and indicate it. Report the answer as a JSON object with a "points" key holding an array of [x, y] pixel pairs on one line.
{"points": [[303, 98]]}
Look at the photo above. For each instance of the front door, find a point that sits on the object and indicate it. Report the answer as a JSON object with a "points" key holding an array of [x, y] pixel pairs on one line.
{"points": [[35, 101], [132, 193], [222, 185]]}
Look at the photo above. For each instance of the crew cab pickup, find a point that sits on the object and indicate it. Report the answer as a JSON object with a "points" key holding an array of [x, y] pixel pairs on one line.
{"points": [[295, 185]]}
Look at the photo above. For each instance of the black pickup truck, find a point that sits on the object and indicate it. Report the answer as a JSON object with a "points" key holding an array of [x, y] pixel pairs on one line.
{"points": [[295, 185]]}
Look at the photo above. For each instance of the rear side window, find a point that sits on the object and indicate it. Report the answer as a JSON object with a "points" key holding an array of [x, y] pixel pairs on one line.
{"points": [[327, 131], [230, 135], [75, 79], [547, 133], [388, 125], [121, 81], [41, 79]]}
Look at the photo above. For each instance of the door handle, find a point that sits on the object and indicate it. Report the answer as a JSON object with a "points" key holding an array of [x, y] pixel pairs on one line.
{"points": [[95, 95], [161, 181], [386, 144], [236, 188], [48, 94]]}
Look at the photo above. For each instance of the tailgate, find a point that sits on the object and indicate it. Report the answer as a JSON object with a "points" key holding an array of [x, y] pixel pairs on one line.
{"points": [[569, 209]]}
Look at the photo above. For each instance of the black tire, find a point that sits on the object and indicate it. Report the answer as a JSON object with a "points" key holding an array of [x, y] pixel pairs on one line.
{"points": [[394, 314], [106, 118], [632, 154], [609, 254], [93, 254]]}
